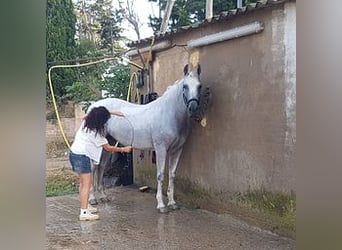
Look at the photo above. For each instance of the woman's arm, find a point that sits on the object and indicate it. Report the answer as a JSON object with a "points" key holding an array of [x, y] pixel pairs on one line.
{"points": [[116, 113], [111, 148]]}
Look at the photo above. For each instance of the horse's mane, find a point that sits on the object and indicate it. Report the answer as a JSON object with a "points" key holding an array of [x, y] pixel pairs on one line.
{"points": [[171, 87]]}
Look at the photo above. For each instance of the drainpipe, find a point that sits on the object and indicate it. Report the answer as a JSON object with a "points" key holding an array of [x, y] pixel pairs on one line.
{"points": [[157, 47], [240, 31]]}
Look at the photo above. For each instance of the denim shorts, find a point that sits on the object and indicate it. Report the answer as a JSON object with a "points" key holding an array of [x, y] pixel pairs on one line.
{"points": [[80, 163]]}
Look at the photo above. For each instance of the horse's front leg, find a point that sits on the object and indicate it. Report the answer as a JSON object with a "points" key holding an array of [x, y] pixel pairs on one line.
{"points": [[160, 160], [173, 162]]}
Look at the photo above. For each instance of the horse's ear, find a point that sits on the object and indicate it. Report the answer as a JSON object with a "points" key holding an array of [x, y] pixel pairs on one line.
{"points": [[186, 69], [198, 69]]}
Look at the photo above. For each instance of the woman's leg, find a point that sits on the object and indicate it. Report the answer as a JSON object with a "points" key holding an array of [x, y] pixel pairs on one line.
{"points": [[85, 183]]}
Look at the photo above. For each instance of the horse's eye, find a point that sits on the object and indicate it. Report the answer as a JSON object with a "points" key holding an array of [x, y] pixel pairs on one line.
{"points": [[199, 87], [185, 87]]}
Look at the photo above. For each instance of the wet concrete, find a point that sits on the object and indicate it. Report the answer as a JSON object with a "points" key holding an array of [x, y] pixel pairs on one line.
{"points": [[130, 221]]}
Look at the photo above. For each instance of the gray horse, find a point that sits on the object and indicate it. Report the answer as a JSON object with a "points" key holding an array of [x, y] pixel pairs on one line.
{"points": [[162, 125]]}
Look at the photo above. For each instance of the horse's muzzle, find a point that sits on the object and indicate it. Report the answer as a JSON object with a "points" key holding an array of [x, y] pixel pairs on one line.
{"points": [[193, 105]]}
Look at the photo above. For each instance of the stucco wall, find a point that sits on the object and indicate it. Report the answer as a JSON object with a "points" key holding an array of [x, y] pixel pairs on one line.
{"points": [[249, 140]]}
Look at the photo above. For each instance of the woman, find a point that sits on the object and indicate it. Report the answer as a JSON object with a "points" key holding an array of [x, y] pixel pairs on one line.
{"points": [[89, 142]]}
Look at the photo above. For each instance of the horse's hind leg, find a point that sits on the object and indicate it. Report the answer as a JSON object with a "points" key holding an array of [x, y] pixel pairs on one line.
{"points": [[173, 162], [160, 157], [102, 195], [106, 161], [92, 199]]}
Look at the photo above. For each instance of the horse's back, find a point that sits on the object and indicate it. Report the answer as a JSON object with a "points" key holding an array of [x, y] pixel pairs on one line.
{"points": [[113, 104], [131, 129]]}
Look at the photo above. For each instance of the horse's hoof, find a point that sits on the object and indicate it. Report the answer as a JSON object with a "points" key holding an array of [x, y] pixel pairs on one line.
{"points": [[173, 207], [163, 210], [93, 202]]}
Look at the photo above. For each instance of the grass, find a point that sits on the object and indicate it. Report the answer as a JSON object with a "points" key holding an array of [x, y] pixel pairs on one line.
{"points": [[279, 208], [271, 211], [61, 181]]}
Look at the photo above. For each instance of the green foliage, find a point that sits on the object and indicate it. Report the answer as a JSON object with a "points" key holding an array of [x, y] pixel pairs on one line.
{"points": [[86, 86], [61, 182], [116, 82], [60, 43], [80, 92], [277, 203], [99, 23], [98, 34], [278, 207], [111, 77], [186, 12], [60, 30], [110, 30]]}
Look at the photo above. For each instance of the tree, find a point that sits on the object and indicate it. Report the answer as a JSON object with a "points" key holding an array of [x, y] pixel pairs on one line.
{"points": [[116, 82], [98, 35], [131, 16], [84, 27], [60, 43], [94, 31], [99, 23], [86, 86], [186, 12]]}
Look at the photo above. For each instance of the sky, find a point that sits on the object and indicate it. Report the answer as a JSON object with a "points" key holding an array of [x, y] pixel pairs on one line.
{"points": [[143, 8]]}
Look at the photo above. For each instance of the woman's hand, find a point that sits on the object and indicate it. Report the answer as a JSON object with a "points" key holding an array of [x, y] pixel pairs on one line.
{"points": [[118, 113], [126, 149]]}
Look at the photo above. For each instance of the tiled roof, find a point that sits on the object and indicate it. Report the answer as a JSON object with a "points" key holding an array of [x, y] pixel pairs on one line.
{"points": [[223, 16]]}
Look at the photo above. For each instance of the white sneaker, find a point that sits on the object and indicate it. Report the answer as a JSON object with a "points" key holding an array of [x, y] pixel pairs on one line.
{"points": [[92, 209], [88, 216]]}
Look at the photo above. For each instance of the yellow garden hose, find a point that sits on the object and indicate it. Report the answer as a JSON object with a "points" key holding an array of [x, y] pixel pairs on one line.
{"points": [[75, 66]]}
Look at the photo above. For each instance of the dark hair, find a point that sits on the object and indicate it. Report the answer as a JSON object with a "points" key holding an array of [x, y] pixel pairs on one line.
{"points": [[96, 119]]}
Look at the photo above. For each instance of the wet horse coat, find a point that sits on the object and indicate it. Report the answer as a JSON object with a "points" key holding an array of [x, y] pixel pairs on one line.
{"points": [[162, 125]]}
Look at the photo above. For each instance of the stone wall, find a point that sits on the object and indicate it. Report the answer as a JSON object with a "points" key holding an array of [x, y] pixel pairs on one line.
{"points": [[70, 124], [53, 132]]}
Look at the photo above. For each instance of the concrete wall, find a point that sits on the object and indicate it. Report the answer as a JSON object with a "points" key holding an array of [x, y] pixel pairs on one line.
{"points": [[70, 124], [249, 140]]}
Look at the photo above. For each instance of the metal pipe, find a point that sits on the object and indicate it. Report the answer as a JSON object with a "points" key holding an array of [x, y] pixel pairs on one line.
{"points": [[240, 31]]}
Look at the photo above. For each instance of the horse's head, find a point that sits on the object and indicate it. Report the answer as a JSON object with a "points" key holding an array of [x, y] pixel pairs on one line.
{"points": [[192, 89]]}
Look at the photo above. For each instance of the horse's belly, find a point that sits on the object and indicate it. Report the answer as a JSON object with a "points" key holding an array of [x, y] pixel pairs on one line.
{"points": [[123, 131], [141, 138]]}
